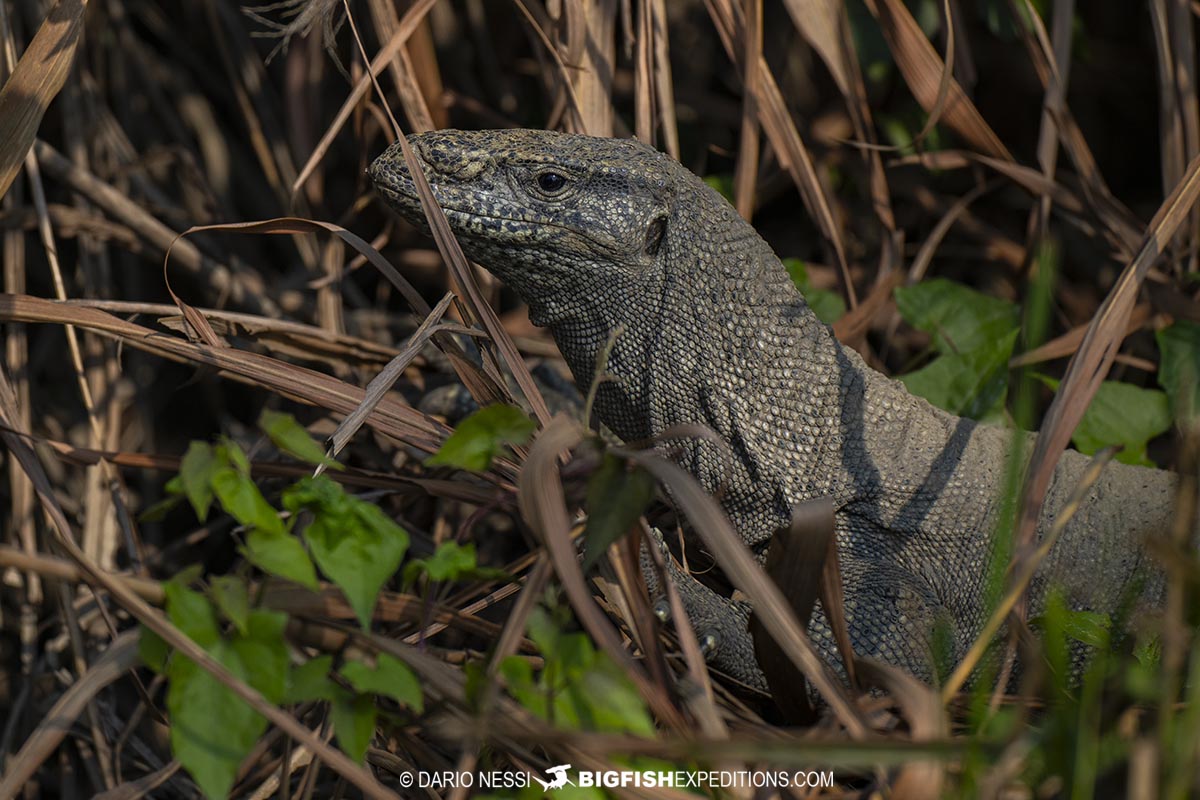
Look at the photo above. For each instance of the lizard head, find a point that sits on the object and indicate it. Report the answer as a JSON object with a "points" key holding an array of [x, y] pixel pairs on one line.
{"points": [[603, 236], [555, 216]]}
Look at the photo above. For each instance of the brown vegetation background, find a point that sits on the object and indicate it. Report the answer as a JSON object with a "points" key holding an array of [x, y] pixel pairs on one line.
{"points": [[881, 142]]}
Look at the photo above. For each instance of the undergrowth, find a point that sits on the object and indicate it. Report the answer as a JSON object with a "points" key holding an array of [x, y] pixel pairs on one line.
{"points": [[992, 201]]}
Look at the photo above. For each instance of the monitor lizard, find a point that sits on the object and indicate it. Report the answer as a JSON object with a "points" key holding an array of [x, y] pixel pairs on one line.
{"points": [[597, 235]]}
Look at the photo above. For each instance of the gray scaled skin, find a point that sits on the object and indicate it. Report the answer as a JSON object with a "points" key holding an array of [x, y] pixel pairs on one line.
{"points": [[599, 233]]}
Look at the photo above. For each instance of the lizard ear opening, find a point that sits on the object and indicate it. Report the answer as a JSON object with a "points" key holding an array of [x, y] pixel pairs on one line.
{"points": [[655, 235]]}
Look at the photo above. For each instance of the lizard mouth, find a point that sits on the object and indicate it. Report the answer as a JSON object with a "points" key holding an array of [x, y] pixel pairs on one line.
{"points": [[480, 225]]}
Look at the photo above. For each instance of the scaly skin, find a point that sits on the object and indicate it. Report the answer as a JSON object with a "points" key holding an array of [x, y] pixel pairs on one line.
{"points": [[716, 334]]}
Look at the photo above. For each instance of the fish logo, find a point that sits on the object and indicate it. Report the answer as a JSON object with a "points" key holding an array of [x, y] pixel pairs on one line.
{"points": [[558, 779]]}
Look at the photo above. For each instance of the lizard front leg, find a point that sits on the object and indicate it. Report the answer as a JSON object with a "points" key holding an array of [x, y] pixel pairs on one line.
{"points": [[890, 612], [721, 624]]}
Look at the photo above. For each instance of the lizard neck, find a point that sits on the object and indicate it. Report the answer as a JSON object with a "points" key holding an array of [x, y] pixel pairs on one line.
{"points": [[800, 416], [623, 395]]}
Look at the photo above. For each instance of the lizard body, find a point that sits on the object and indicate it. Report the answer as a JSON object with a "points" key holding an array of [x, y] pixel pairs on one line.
{"points": [[600, 234]]}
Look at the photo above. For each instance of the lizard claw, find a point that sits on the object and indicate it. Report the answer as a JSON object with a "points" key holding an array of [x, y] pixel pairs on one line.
{"points": [[662, 610], [710, 643]]}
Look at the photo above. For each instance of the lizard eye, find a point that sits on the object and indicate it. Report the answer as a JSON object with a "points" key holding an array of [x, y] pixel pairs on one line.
{"points": [[551, 182]]}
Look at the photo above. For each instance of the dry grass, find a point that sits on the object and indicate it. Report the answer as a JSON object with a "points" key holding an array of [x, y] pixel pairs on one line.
{"points": [[137, 137]]}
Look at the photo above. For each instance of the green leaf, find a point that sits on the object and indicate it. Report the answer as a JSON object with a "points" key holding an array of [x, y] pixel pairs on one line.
{"points": [[579, 687], [153, 650], [353, 542], [827, 305], [291, 437], [960, 319], [192, 613], [479, 437], [1053, 623], [353, 723], [1143, 677], [264, 652], [971, 384], [231, 451], [546, 631], [390, 677], [517, 673], [1179, 368], [230, 596], [1149, 651], [212, 729], [451, 562], [280, 554], [613, 703], [195, 476], [617, 496], [518, 677], [575, 654], [1123, 414], [310, 681], [896, 132], [974, 335], [1089, 627], [243, 501]]}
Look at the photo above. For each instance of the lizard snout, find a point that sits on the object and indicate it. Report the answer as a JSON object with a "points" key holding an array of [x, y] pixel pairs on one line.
{"points": [[389, 171]]}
